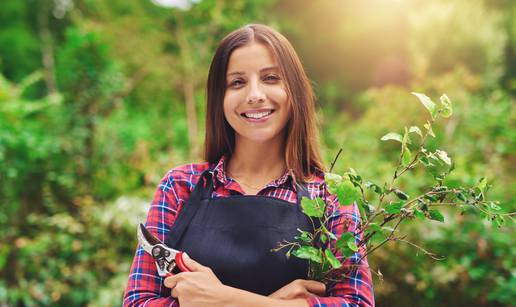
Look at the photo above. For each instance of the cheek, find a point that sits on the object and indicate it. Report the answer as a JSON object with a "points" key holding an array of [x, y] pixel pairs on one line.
{"points": [[230, 99], [229, 106], [280, 94]]}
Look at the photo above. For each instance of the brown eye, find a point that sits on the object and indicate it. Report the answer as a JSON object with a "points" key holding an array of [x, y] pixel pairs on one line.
{"points": [[271, 78], [236, 83]]}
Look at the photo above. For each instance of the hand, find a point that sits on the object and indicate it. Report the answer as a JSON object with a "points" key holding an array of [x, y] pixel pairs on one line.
{"points": [[300, 288], [200, 287]]}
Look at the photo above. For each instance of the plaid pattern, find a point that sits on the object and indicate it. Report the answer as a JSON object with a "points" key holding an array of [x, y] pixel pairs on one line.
{"points": [[145, 286]]}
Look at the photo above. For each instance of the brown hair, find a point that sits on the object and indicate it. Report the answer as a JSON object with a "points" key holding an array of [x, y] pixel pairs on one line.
{"points": [[302, 152]]}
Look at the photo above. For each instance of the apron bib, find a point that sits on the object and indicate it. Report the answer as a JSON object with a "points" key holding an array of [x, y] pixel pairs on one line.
{"points": [[234, 236]]}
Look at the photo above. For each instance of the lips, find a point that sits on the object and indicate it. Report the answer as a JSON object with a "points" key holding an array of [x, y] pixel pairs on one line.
{"points": [[257, 114]]}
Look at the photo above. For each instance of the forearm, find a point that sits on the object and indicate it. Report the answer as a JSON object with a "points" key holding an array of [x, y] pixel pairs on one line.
{"points": [[236, 298]]}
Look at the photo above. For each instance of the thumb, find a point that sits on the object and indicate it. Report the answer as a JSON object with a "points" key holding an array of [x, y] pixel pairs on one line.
{"points": [[315, 287], [193, 265]]}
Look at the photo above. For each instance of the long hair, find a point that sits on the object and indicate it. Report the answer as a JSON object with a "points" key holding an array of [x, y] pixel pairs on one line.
{"points": [[302, 154]]}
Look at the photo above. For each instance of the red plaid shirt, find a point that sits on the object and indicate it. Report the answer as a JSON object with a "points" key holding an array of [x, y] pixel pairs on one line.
{"points": [[145, 286]]}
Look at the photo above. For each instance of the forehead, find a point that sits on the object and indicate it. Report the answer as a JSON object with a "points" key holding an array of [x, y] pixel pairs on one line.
{"points": [[250, 57]]}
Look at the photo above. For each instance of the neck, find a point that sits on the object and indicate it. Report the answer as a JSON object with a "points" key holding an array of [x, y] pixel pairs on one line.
{"points": [[258, 162]]}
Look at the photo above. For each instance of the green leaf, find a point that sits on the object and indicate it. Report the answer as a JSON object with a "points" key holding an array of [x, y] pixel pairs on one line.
{"points": [[363, 207], [309, 253], [328, 233], [494, 206], [406, 138], [374, 236], [406, 158], [460, 196], [394, 208], [432, 198], [499, 220], [443, 155], [389, 229], [428, 127], [352, 245], [419, 214], [347, 193], [440, 188], [400, 194], [375, 227], [427, 103], [482, 184], [424, 160], [346, 244], [332, 179], [352, 171], [422, 205], [313, 207], [415, 129], [392, 136], [436, 215], [447, 110], [437, 166], [335, 263], [324, 238], [373, 186], [304, 237], [342, 242]]}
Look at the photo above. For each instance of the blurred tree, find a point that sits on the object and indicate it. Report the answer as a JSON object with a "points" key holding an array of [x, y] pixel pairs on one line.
{"points": [[19, 46], [90, 81]]}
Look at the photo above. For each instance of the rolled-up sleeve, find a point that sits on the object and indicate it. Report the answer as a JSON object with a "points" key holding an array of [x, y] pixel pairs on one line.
{"points": [[145, 287], [355, 288]]}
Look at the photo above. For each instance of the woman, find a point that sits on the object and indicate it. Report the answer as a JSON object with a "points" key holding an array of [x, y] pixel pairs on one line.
{"points": [[227, 213]]}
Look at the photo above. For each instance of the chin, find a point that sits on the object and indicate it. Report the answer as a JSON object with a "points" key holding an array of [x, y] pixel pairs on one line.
{"points": [[262, 138]]}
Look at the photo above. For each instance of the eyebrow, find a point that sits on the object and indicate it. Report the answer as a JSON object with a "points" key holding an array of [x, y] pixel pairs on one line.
{"points": [[261, 70]]}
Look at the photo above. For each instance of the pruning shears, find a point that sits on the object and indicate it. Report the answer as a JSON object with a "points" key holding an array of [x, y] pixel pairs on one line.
{"points": [[167, 259]]}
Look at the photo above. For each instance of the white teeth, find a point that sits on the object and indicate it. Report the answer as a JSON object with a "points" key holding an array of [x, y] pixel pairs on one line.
{"points": [[258, 115]]}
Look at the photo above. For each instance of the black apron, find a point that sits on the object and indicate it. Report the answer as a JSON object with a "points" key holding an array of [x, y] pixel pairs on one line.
{"points": [[234, 236]]}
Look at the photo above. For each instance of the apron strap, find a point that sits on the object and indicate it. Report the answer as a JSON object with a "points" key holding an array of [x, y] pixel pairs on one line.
{"points": [[190, 207], [301, 191]]}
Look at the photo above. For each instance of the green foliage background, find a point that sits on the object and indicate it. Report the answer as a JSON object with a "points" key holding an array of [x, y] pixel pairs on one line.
{"points": [[93, 111]]}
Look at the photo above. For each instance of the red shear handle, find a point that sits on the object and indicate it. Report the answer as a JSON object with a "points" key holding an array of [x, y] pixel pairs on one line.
{"points": [[180, 262]]}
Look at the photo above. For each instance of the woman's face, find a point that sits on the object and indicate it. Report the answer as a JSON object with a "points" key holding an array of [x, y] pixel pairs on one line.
{"points": [[256, 103]]}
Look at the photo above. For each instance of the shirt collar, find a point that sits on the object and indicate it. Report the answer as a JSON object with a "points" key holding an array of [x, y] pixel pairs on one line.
{"points": [[219, 173]]}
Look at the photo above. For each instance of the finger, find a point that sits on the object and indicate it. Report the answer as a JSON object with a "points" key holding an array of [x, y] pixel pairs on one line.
{"points": [[290, 293], [193, 265], [315, 287], [171, 281], [174, 293]]}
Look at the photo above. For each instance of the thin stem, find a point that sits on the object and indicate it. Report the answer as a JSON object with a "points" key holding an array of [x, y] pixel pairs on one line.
{"points": [[431, 255], [335, 160], [383, 242]]}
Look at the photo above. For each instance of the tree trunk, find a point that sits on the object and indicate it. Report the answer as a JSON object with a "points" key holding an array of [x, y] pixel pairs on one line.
{"points": [[47, 51], [191, 117], [188, 88]]}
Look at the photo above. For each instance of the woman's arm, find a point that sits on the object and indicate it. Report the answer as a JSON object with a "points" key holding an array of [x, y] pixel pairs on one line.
{"points": [[145, 286], [200, 287], [239, 298]]}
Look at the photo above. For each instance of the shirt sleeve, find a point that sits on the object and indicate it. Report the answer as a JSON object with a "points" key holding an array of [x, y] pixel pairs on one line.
{"points": [[145, 286], [356, 288]]}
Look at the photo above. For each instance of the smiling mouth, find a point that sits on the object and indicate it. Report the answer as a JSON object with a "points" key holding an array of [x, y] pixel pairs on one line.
{"points": [[257, 115]]}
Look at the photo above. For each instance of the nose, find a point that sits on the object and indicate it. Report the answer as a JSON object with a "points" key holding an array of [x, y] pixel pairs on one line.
{"points": [[255, 93]]}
